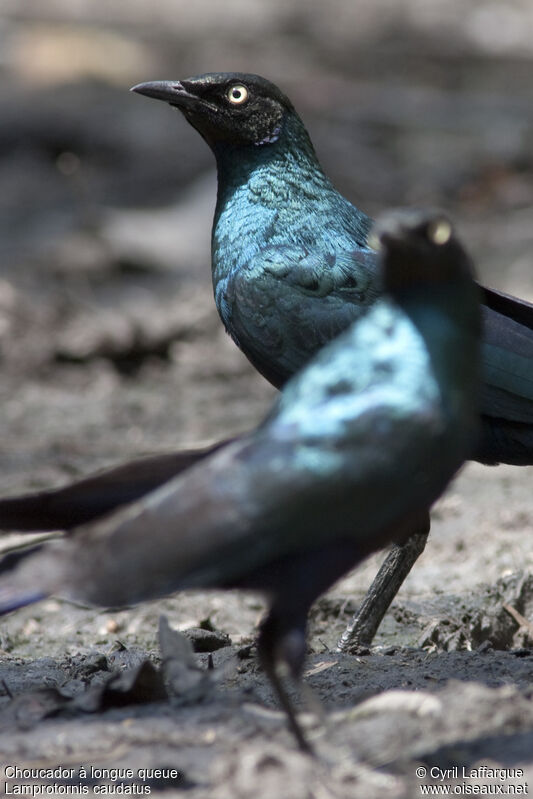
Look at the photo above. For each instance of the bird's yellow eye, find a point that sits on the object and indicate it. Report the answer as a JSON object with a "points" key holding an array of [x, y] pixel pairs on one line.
{"points": [[373, 241], [238, 94], [439, 231]]}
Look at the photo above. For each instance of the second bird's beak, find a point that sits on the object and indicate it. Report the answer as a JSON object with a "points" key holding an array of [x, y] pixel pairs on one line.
{"points": [[172, 91]]}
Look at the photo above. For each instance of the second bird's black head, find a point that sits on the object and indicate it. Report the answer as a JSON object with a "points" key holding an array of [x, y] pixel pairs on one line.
{"points": [[420, 248], [226, 107]]}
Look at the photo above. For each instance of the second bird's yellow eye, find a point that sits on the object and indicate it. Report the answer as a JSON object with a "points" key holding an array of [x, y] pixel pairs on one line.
{"points": [[238, 94], [373, 241], [439, 231]]}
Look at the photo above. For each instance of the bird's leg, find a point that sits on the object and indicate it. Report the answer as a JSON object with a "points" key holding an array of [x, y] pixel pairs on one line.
{"points": [[361, 630], [285, 702], [281, 653]]}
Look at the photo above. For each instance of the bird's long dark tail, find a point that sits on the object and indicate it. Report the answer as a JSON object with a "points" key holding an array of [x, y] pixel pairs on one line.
{"points": [[18, 587], [96, 495], [11, 599]]}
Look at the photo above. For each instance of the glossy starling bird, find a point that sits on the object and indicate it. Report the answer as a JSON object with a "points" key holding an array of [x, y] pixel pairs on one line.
{"points": [[358, 445]]}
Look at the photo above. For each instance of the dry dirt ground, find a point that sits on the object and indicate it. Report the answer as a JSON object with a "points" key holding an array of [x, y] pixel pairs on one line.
{"points": [[110, 347]]}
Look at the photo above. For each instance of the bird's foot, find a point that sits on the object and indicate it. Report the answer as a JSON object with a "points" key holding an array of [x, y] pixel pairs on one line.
{"points": [[281, 649], [360, 632], [277, 677]]}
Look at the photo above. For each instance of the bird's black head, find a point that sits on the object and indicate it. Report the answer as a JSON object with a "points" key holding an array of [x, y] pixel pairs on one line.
{"points": [[419, 247], [226, 106]]}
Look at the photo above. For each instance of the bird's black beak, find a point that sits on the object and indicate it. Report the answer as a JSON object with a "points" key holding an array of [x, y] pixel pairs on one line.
{"points": [[172, 91]]}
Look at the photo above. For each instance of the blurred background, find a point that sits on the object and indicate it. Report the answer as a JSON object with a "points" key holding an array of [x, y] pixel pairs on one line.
{"points": [[109, 341]]}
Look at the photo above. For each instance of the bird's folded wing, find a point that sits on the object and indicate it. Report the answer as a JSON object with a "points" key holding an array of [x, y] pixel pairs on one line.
{"points": [[507, 305], [286, 304], [507, 358]]}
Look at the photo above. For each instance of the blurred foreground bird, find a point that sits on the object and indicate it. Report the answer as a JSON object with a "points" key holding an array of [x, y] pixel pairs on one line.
{"points": [[359, 444], [292, 268]]}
